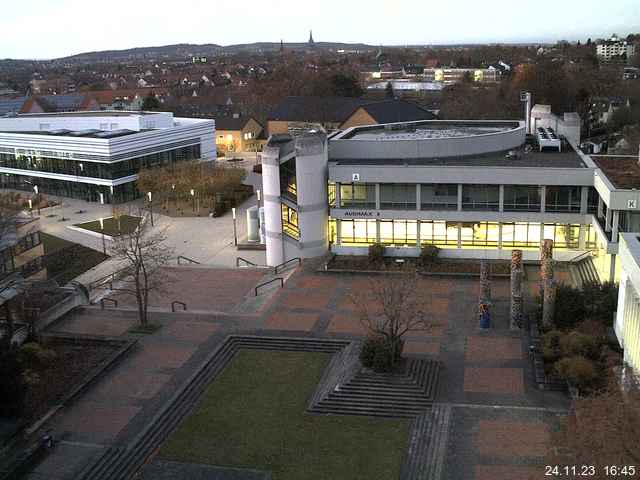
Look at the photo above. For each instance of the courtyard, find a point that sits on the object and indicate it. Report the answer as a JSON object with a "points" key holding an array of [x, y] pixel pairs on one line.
{"points": [[490, 419]]}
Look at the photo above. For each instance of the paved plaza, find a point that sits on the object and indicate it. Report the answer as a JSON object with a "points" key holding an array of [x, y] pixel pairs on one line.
{"points": [[500, 422]]}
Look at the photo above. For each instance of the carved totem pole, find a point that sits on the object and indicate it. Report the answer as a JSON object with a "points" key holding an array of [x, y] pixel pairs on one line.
{"points": [[517, 274], [548, 284]]}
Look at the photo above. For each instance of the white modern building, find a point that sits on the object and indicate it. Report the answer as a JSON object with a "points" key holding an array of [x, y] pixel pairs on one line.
{"points": [[96, 155], [476, 189]]}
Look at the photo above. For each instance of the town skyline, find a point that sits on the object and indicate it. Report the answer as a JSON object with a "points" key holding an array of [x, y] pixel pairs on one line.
{"points": [[70, 30]]}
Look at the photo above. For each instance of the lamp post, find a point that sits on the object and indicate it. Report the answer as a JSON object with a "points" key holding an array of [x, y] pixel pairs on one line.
{"points": [[150, 207], [30, 207], [235, 231], [173, 192], [35, 189], [258, 194], [104, 247], [193, 197]]}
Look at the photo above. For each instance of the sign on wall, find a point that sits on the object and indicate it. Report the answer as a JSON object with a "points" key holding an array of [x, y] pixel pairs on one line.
{"points": [[632, 204], [355, 177]]}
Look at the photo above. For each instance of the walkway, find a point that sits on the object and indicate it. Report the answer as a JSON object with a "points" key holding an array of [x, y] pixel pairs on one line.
{"points": [[497, 424]]}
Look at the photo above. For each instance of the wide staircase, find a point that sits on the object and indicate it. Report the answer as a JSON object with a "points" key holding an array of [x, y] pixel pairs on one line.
{"points": [[400, 394], [583, 271]]}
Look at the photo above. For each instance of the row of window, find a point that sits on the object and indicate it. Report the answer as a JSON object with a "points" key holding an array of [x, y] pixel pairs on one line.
{"points": [[403, 196], [26, 243], [98, 170], [454, 234], [290, 222]]}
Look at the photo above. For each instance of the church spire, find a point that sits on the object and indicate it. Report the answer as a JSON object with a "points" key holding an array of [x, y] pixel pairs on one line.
{"points": [[311, 42]]}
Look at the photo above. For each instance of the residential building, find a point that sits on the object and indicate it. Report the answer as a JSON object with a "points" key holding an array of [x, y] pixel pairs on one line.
{"points": [[96, 155], [59, 103], [127, 99], [615, 48], [238, 134], [601, 110], [296, 115]]}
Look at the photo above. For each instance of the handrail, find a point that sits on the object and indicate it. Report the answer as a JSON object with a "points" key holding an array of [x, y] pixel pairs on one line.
{"points": [[581, 256], [297, 259], [102, 300], [106, 279], [267, 283], [239, 259], [190, 260], [177, 302]]}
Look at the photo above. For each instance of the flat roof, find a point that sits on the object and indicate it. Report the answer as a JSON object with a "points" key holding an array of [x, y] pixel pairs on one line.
{"points": [[623, 171], [90, 133], [520, 159], [422, 130], [89, 113]]}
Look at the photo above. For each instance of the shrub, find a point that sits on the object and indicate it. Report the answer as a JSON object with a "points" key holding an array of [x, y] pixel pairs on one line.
{"points": [[601, 300], [551, 345], [570, 307], [576, 343], [377, 354], [13, 387], [35, 357], [577, 370], [429, 255], [376, 253]]}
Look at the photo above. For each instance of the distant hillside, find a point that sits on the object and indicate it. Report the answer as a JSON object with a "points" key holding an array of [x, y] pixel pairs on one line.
{"points": [[185, 50]]}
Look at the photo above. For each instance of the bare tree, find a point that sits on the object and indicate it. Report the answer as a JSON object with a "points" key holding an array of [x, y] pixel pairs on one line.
{"points": [[145, 254], [9, 212], [393, 306], [603, 429]]}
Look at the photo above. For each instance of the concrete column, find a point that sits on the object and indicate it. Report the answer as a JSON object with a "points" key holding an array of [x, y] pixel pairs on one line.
{"points": [[418, 196], [501, 199], [582, 238], [607, 221], [338, 231], [543, 198], [612, 268], [499, 236], [459, 197], [615, 225], [377, 231], [584, 200], [272, 207], [459, 235], [600, 207], [377, 196], [338, 195], [418, 235]]}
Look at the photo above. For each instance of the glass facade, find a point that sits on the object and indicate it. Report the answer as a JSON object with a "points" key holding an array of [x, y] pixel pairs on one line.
{"points": [[290, 222], [288, 185], [562, 199], [439, 196], [398, 196], [102, 170], [444, 234], [481, 197], [521, 198], [358, 195], [358, 232]]}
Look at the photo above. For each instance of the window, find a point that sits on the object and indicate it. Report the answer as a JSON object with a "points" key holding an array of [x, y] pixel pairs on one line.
{"points": [[562, 199], [331, 193], [358, 195], [399, 232], [6, 262], [357, 232], [521, 235], [290, 222], [332, 231], [440, 233], [398, 196], [482, 234], [480, 197], [521, 198], [563, 236], [592, 201], [439, 196], [288, 187]]}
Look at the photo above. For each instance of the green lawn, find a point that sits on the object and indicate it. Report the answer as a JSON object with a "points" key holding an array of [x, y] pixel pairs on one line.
{"points": [[126, 225], [252, 416], [66, 260]]}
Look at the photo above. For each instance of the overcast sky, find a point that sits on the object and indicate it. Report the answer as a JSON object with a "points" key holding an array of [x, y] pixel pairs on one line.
{"points": [[50, 29]]}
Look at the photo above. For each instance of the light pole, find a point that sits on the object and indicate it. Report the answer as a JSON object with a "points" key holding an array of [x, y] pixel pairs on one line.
{"points": [[104, 247], [193, 197], [150, 207], [258, 194], [30, 207], [235, 231], [173, 192], [35, 189]]}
